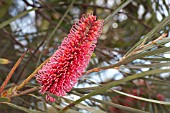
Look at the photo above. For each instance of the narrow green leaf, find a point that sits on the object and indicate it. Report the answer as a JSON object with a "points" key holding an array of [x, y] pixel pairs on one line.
{"points": [[37, 97], [150, 34], [153, 65], [117, 10], [158, 43], [141, 98], [137, 56], [4, 61], [58, 107], [158, 81], [4, 99], [149, 53], [116, 83], [83, 106], [16, 17], [156, 59], [22, 108], [89, 108], [131, 110]]}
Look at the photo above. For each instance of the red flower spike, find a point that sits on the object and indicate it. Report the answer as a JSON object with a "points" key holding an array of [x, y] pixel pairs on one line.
{"points": [[67, 64]]}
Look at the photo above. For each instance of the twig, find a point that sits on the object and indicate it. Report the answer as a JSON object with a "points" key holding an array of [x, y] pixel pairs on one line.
{"points": [[33, 54], [115, 66], [160, 38], [11, 72], [24, 92], [12, 37], [125, 59], [30, 77], [58, 25], [153, 42]]}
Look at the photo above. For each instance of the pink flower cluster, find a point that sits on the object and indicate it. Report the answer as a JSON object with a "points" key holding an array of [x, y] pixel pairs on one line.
{"points": [[67, 64]]}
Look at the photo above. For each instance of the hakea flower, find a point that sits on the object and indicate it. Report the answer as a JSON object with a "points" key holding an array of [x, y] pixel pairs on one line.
{"points": [[67, 64]]}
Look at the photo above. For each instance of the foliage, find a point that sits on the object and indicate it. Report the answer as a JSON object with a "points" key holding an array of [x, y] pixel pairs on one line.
{"points": [[128, 72]]}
